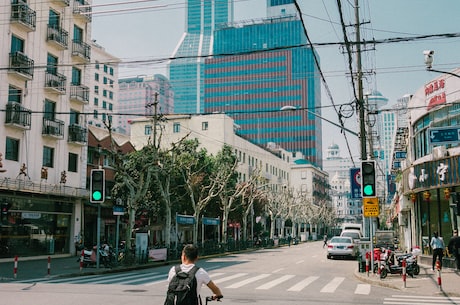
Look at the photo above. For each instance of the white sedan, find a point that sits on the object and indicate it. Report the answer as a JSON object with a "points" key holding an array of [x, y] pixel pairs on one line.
{"points": [[341, 246]]}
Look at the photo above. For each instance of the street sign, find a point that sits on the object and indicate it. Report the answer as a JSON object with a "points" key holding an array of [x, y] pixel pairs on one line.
{"points": [[443, 135], [371, 207], [118, 210]]}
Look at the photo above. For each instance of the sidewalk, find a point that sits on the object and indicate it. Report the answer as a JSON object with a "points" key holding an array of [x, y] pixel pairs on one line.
{"points": [[426, 283]]}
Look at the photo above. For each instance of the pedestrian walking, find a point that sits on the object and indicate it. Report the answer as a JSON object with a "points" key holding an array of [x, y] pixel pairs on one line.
{"points": [[177, 277], [325, 240], [289, 239], [454, 247], [437, 244]]}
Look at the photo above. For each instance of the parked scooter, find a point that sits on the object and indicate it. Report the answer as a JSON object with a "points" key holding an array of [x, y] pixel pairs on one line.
{"points": [[90, 256], [391, 264]]}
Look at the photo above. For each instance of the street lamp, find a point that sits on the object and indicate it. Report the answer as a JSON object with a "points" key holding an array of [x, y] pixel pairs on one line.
{"points": [[289, 107], [429, 57]]}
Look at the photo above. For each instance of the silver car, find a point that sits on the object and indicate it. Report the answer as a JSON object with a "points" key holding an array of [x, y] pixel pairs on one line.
{"points": [[341, 246]]}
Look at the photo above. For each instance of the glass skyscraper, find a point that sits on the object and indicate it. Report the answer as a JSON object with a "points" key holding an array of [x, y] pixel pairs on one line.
{"points": [[257, 68], [186, 72]]}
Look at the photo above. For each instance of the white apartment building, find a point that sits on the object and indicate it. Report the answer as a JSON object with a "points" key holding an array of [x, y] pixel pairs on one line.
{"points": [[44, 88], [279, 168], [103, 97]]}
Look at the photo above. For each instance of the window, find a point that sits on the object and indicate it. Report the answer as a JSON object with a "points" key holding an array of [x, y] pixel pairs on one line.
{"points": [[12, 149], [104, 93], [74, 117], [52, 63], [95, 114], [96, 65], [96, 89], [204, 126], [14, 94], [104, 104], [111, 72], [48, 156], [96, 101], [77, 34], [76, 76], [104, 117], [73, 163], [17, 44], [53, 19], [105, 68], [148, 130], [96, 77], [176, 127], [50, 110], [110, 106], [105, 80], [111, 95]]}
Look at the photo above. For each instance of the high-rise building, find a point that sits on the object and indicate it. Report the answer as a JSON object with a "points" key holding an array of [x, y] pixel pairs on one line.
{"points": [[103, 96], [187, 72], [267, 67], [138, 97]]}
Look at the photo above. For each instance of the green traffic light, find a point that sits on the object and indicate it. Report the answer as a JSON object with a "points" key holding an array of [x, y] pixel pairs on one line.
{"points": [[97, 195], [368, 190]]}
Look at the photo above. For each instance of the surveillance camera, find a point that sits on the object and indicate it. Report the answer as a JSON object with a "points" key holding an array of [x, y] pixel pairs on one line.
{"points": [[428, 52], [428, 58]]}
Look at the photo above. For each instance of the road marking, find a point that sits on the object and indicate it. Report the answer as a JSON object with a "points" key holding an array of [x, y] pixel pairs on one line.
{"points": [[248, 281], [363, 289], [332, 285], [408, 299], [302, 284], [277, 270], [300, 262], [275, 282], [228, 278]]}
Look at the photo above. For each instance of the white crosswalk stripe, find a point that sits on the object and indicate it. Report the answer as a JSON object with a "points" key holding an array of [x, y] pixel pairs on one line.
{"points": [[265, 281], [416, 299], [302, 284], [332, 285]]}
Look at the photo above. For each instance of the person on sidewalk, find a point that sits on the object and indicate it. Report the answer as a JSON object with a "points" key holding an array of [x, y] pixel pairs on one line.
{"points": [[324, 240], [437, 244], [454, 247]]}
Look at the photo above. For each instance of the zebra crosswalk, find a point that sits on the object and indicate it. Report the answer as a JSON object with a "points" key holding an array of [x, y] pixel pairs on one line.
{"points": [[258, 282], [426, 300]]}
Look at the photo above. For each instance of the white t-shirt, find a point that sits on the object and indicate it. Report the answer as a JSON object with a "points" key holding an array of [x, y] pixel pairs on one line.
{"points": [[202, 277]]}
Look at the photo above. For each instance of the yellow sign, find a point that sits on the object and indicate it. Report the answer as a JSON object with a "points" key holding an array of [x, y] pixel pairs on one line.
{"points": [[371, 207]]}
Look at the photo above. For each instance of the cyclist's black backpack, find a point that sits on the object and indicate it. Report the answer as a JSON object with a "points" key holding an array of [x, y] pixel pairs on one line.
{"points": [[182, 288]]}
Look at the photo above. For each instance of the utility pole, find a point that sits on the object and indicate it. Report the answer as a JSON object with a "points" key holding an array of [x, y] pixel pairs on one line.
{"points": [[359, 76]]}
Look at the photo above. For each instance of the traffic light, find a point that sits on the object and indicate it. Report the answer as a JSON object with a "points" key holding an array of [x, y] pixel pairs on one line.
{"points": [[368, 184], [97, 186]]}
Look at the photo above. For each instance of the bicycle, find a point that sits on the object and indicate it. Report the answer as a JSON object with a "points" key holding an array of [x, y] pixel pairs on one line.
{"points": [[214, 298]]}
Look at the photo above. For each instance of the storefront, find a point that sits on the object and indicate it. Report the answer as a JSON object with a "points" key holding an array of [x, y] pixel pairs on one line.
{"points": [[36, 225]]}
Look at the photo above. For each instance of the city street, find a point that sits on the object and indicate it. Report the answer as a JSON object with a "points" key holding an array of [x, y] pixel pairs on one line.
{"points": [[298, 274]]}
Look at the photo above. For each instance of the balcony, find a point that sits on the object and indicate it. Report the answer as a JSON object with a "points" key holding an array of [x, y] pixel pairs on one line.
{"points": [[21, 65], [18, 116], [55, 83], [62, 2], [81, 50], [23, 16], [78, 134], [53, 128], [79, 93], [58, 37], [83, 9]]}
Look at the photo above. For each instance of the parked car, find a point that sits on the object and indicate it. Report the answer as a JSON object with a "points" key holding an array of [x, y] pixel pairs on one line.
{"points": [[342, 246], [355, 234]]}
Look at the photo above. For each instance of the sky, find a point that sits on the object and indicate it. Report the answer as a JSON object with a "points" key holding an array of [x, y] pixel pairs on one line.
{"points": [[393, 68]]}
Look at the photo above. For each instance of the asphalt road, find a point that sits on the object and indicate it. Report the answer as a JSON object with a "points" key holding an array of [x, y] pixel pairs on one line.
{"points": [[294, 275]]}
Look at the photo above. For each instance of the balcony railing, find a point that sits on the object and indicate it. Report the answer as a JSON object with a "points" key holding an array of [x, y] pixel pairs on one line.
{"points": [[56, 82], [22, 64], [59, 36], [22, 14], [79, 93], [77, 134], [81, 49], [17, 115], [53, 128], [82, 8], [62, 2]]}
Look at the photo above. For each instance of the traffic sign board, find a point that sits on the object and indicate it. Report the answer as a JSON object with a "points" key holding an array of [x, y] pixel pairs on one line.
{"points": [[444, 135], [371, 207]]}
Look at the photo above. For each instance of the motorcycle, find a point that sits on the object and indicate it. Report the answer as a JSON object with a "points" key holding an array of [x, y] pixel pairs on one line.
{"points": [[392, 264], [89, 257]]}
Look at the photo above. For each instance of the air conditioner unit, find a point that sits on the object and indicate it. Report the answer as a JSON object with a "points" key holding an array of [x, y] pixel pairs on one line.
{"points": [[439, 152]]}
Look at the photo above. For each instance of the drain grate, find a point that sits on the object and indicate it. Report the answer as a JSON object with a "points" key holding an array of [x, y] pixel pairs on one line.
{"points": [[135, 290]]}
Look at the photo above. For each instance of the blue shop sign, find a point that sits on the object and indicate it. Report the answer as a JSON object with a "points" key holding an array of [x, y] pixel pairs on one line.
{"points": [[185, 220], [211, 221]]}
